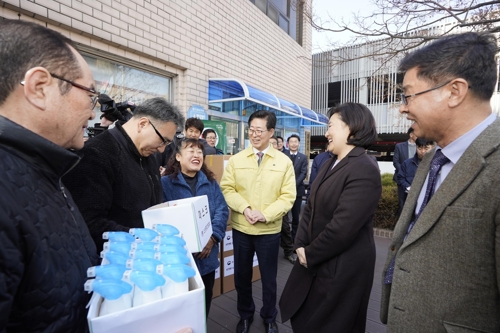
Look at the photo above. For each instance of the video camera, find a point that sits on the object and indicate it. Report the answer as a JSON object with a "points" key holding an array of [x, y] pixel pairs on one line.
{"points": [[112, 111]]}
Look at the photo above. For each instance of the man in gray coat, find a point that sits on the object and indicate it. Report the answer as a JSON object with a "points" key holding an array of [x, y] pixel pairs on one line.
{"points": [[443, 269]]}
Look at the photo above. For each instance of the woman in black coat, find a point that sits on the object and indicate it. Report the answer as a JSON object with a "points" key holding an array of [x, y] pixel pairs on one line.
{"points": [[329, 286]]}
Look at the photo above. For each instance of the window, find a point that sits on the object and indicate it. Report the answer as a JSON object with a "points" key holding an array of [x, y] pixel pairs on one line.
{"points": [[284, 14]]}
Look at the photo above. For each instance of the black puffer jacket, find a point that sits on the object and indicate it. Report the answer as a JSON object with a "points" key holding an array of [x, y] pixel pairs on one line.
{"points": [[113, 183], [45, 246]]}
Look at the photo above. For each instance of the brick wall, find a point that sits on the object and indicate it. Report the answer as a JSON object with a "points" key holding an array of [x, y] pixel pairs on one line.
{"points": [[193, 39]]}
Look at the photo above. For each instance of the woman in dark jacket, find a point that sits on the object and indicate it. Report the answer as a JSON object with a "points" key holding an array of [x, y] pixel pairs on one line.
{"points": [[187, 176], [329, 286]]}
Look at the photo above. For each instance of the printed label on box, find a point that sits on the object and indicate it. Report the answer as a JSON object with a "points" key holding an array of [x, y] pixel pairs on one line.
{"points": [[229, 266], [228, 240], [217, 273]]}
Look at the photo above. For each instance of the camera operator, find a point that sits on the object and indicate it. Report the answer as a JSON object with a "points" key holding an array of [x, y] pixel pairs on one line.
{"points": [[111, 112], [118, 176]]}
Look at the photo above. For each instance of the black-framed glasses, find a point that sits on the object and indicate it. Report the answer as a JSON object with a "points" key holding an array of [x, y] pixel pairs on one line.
{"points": [[164, 142], [251, 131], [404, 98], [93, 99]]}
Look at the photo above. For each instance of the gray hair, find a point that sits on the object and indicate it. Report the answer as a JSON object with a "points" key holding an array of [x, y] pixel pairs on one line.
{"points": [[161, 110]]}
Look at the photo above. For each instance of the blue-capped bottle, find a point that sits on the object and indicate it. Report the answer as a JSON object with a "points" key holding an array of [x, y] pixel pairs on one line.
{"points": [[147, 286], [144, 234], [122, 247], [111, 271], [166, 229], [176, 279], [118, 236], [117, 294]]}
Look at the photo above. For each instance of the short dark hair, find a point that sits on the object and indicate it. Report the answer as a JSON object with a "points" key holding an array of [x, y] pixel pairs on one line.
{"points": [[293, 136], [208, 131], [196, 123], [263, 114], [174, 167], [470, 56], [410, 130], [421, 142], [159, 109], [362, 128], [279, 137], [25, 45]]}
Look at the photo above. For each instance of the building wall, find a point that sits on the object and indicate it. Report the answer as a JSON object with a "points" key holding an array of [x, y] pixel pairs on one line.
{"points": [[192, 39]]}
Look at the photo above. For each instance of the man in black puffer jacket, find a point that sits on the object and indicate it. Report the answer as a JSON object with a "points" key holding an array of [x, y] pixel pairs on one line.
{"points": [[46, 100], [119, 175]]}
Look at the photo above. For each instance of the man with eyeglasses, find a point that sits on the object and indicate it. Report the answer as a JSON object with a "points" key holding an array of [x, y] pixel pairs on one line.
{"points": [[118, 176], [47, 97], [259, 187], [443, 268]]}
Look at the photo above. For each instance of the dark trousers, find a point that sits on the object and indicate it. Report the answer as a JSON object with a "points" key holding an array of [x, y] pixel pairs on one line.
{"points": [[286, 241], [296, 216], [267, 248], [208, 281]]}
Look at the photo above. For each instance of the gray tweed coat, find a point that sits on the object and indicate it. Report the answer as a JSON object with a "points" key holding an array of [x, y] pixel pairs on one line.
{"points": [[447, 273]]}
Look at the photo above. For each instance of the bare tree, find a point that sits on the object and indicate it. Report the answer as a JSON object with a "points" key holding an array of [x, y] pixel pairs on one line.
{"points": [[399, 26]]}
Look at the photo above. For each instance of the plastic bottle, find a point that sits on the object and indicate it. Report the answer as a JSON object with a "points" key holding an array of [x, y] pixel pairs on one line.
{"points": [[172, 258], [176, 279], [118, 236], [145, 265], [144, 234], [139, 254], [122, 247], [166, 229], [113, 257], [111, 271], [169, 248], [147, 286], [170, 240], [148, 246], [117, 294]]}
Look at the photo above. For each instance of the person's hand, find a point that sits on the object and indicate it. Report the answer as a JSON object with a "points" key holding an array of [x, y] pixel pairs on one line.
{"points": [[259, 216], [249, 215], [206, 250], [162, 171], [301, 255]]}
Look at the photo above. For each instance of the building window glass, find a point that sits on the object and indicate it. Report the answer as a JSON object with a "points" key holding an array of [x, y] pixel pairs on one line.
{"points": [[126, 84], [284, 14]]}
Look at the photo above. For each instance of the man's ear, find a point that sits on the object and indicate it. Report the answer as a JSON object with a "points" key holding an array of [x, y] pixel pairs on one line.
{"points": [[458, 91], [37, 85], [271, 131], [142, 123]]}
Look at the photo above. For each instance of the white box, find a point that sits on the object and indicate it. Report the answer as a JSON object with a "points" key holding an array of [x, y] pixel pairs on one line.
{"points": [[168, 315], [228, 240], [191, 216], [229, 265]]}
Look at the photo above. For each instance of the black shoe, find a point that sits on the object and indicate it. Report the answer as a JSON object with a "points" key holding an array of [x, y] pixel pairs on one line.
{"points": [[271, 327], [244, 325], [291, 258]]}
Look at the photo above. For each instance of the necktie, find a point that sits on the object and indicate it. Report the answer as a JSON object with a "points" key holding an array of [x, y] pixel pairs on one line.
{"points": [[438, 160], [259, 155], [293, 157]]}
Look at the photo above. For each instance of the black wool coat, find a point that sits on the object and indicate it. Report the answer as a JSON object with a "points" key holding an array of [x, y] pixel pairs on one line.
{"points": [[332, 294], [113, 184]]}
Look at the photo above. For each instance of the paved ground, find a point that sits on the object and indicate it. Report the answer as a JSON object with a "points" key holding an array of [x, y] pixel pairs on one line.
{"points": [[224, 315]]}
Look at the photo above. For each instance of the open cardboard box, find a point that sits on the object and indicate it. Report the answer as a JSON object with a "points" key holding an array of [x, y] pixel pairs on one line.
{"points": [[168, 315]]}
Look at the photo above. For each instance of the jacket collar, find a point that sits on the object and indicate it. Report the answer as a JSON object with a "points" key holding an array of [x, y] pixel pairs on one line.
{"points": [[270, 151], [125, 140], [35, 149], [202, 179], [465, 171]]}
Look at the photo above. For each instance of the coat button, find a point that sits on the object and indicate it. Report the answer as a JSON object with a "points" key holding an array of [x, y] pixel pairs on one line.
{"points": [[393, 248]]}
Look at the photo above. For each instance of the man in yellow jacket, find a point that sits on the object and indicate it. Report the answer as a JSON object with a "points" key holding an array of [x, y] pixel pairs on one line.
{"points": [[259, 187]]}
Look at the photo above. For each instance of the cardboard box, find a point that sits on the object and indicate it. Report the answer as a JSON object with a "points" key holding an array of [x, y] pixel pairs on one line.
{"points": [[216, 164], [256, 269], [227, 271], [228, 240], [217, 290], [191, 216], [168, 315]]}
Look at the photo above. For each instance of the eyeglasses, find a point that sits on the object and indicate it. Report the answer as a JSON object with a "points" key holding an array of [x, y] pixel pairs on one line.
{"points": [[164, 142], [404, 98], [93, 99], [210, 138], [257, 132]]}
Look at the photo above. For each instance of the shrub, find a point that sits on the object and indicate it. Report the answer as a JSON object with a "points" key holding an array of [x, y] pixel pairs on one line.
{"points": [[387, 209]]}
